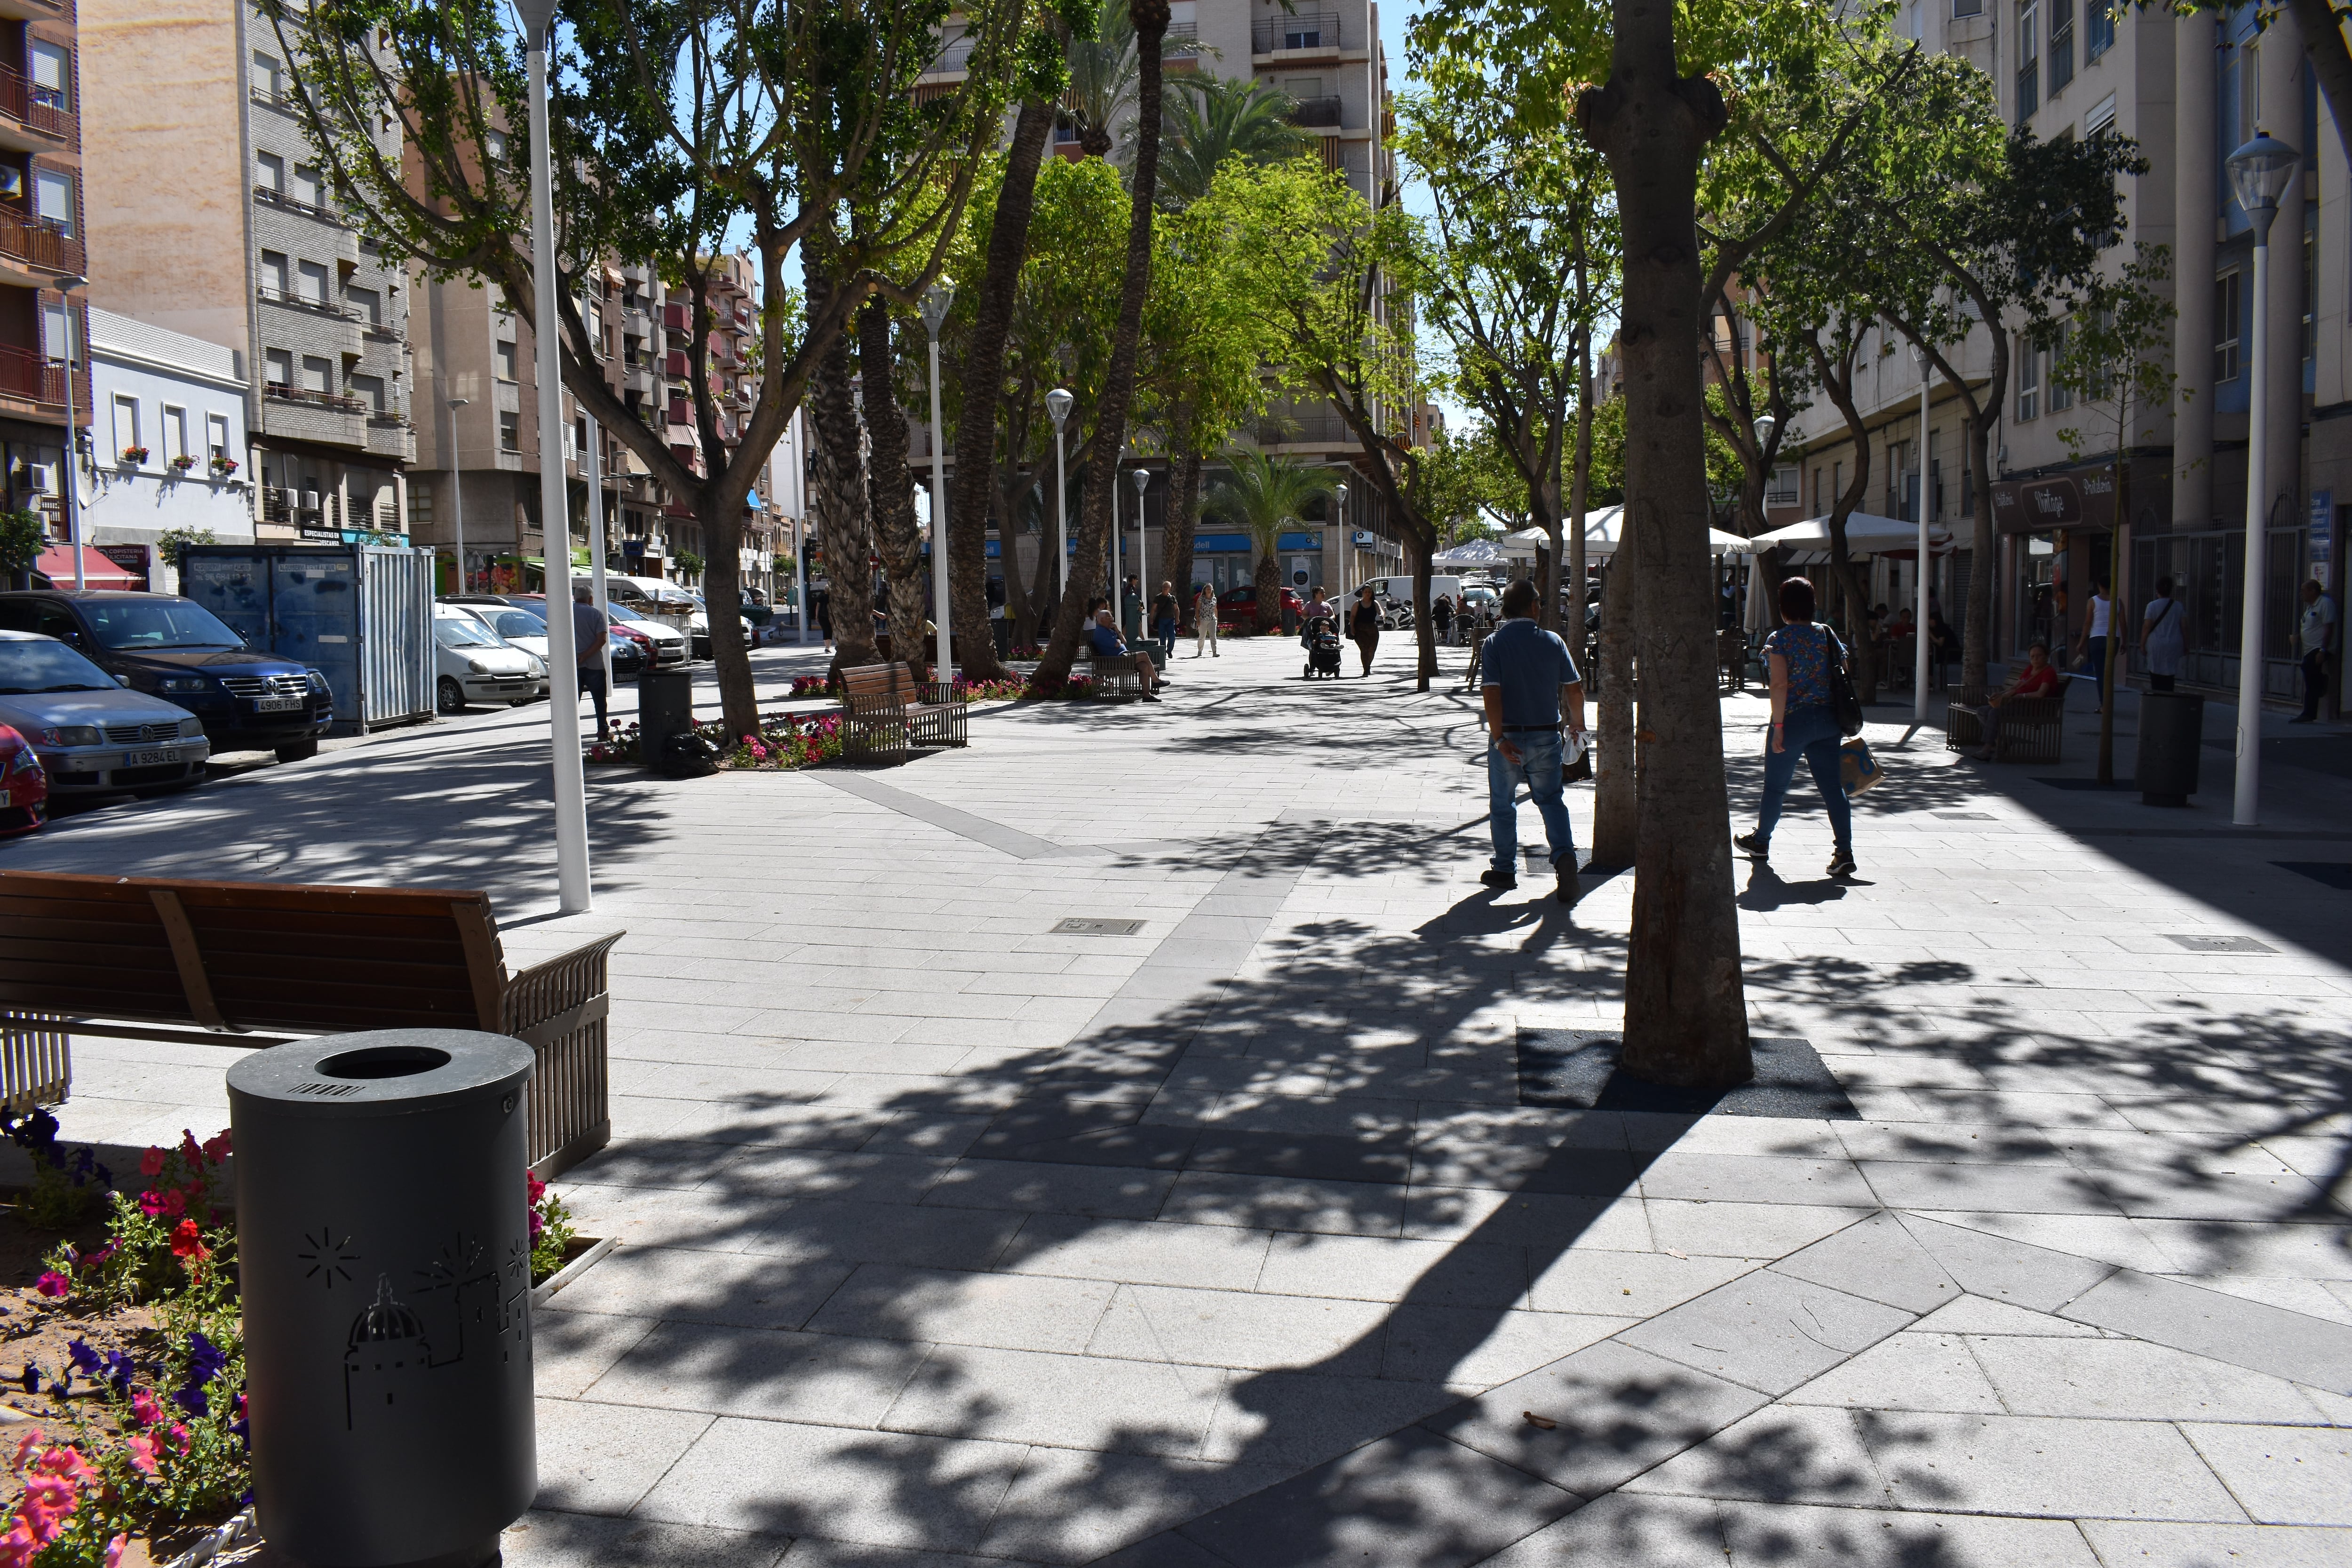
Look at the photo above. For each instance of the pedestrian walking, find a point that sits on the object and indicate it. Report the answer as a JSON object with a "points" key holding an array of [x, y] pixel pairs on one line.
{"points": [[1801, 656], [2315, 641], [588, 635], [1364, 627], [820, 608], [1441, 617], [2162, 644], [1204, 620], [1130, 610], [1530, 681], [999, 630], [2097, 628], [1163, 621]]}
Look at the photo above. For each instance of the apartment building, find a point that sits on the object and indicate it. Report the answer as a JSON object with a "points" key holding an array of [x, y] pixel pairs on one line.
{"points": [[476, 366], [208, 216], [1327, 55], [2189, 91], [168, 445], [40, 242]]}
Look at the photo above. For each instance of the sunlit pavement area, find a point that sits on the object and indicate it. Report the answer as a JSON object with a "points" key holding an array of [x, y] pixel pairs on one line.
{"points": [[948, 1240]]}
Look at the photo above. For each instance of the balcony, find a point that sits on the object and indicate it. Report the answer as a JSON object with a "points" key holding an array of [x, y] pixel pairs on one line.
{"points": [[33, 251], [32, 119], [1308, 113], [326, 308], [951, 60], [1297, 34], [272, 197], [28, 377], [280, 392]]}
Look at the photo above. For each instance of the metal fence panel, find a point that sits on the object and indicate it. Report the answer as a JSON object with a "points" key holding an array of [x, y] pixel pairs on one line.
{"points": [[396, 647]]}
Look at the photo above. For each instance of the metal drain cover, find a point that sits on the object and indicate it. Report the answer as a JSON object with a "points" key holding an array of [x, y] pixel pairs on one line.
{"points": [[2222, 944], [1967, 816], [1080, 925]]}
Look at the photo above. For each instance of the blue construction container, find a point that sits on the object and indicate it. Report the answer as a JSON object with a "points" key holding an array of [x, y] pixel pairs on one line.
{"points": [[362, 614]]}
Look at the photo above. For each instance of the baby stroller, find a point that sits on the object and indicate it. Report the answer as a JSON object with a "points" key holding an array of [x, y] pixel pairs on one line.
{"points": [[1321, 640]]}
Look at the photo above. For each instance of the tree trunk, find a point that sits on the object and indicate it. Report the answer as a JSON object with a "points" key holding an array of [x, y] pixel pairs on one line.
{"points": [[838, 494], [983, 376], [2114, 606], [1183, 521], [722, 592], [1266, 614], [1547, 498], [1976, 645], [1685, 1017], [1119, 376], [1857, 619], [890, 484], [1616, 811], [1424, 626], [1580, 485]]}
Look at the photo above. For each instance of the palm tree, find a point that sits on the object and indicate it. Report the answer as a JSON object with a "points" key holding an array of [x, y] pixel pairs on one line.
{"points": [[1103, 71], [1212, 118], [1264, 495]]}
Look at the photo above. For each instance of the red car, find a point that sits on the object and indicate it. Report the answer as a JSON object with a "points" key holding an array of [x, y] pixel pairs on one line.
{"points": [[24, 786], [1232, 601]]}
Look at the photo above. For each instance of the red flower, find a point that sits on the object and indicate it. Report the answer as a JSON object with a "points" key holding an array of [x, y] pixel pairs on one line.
{"points": [[150, 1204], [187, 1243], [217, 1147], [151, 1163], [54, 1284], [175, 1202], [143, 1454], [537, 1187]]}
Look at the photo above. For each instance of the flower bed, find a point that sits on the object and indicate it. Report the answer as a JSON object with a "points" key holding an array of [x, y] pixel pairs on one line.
{"points": [[129, 1387], [784, 741]]}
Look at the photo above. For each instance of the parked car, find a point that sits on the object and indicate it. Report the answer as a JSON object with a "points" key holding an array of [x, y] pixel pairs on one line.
{"points": [[23, 785], [526, 630], [1233, 602], [174, 648], [471, 663], [93, 734], [651, 595], [661, 644]]}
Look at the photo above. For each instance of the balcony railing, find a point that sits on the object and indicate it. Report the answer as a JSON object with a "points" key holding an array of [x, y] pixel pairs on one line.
{"points": [[41, 108], [278, 198], [30, 377], [284, 393], [40, 242], [956, 57], [1313, 111], [278, 296], [1300, 32]]}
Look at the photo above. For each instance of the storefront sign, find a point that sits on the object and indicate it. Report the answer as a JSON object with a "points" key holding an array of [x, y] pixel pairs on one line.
{"points": [[2321, 551]]}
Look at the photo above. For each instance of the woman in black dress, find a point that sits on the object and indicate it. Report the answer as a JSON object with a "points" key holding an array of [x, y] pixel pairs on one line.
{"points": [[1364, 625]]}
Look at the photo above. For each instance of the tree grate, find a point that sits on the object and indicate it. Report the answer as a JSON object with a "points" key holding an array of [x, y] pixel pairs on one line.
{"points": [[1081, 925]]}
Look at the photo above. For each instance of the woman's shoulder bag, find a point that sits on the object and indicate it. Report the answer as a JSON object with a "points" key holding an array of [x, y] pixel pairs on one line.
{"points": [[1844, 700]]}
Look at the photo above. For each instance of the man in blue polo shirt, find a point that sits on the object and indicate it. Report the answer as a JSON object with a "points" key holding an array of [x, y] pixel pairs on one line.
{"points": [[1528, 679]]}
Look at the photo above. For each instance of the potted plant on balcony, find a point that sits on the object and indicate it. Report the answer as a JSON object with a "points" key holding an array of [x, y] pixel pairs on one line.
{"points": [[133, 456], [224, 466], [182, 463]]}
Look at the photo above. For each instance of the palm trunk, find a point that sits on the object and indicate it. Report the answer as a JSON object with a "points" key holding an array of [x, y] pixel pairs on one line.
{"points": [[1616, 811], [838, 494], [1119, 376], [1183, 524], [984, 373], [1266, 614], [890, 484], [1685, 1017]]}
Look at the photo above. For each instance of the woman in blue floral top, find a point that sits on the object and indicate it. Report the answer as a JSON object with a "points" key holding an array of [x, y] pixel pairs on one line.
{"points": [[1802, 655]]}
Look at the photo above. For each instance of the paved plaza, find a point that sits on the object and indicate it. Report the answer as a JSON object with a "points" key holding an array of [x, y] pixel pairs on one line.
{"points": [[949, 1239]]}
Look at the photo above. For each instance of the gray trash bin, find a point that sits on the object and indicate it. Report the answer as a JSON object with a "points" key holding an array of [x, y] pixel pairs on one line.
{"points": [[384, 1243], [664, 708], [2172, 738]]}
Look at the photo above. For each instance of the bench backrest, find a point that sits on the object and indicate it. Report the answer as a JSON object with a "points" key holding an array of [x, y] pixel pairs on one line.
{"points": [[880, 684], [249, 955]]}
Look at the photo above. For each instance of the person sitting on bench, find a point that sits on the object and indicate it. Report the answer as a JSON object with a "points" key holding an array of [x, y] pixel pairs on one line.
{"points": [[1108, 644], [2038, 678]]}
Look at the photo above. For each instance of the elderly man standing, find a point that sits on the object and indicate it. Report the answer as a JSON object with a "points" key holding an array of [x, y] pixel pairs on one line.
{"points": [[1530, 679], [588, 635]]}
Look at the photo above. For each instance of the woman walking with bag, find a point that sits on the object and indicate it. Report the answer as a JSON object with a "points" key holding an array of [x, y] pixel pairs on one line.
{"points": [[1364, 627], [2160, 642], [1805, 659]]}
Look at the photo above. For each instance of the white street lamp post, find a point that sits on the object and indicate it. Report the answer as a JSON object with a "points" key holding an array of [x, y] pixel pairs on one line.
{"points": [[66, 284], [457, 490], [1142, 588], [2259, 173], [1057, 408], [935, 301], [554, 502]]}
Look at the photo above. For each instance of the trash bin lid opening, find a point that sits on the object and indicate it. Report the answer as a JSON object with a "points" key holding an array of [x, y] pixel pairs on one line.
{"points": [[385, 1061]]}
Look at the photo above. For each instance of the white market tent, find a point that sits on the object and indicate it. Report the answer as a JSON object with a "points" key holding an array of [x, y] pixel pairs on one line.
{"points": [[1472, 553], [1865, 534], [1600, 533]]}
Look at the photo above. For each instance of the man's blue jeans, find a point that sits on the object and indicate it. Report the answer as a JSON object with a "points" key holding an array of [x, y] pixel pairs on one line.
{"points": [[1811, 732], [1537, 768]]}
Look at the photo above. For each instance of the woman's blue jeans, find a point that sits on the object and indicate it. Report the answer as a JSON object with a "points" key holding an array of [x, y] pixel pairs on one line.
{"points": [[1811, 732]]}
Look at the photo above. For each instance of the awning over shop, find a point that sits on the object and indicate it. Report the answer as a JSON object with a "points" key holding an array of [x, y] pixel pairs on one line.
{"points": [[57, 564], [1865, 534], [1600, 533]]}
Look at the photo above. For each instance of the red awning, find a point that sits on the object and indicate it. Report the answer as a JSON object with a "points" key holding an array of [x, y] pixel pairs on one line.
{"points": [[57, 564]]}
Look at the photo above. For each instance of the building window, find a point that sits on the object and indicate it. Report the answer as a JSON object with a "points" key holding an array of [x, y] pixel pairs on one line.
{"points": [[313, 276], [2098, 28], [2028, 380], [318, 374], [174, 432], [367, 303], [2028, 62], [53, 199], [1782, 490], [2060, 397], [276, 272], [269, 171], [268, 76], [494, 142], [126, 423], [52, 74], [2101, 118], [1817, 508], [217, 435], [2225, 325], [506, 359], [1962, 9], [278, 367], [509, 432], [2062, 45], [369, 390]]}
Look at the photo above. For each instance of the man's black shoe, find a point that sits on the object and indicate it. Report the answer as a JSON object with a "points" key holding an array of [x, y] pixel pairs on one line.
{"points": [[1571, 885], [1495, 879]]}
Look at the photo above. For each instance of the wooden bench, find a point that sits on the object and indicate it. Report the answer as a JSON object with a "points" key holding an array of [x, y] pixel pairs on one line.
{"points": [[886, 713], [1116, 676], [2032, 728], [258, 964]]}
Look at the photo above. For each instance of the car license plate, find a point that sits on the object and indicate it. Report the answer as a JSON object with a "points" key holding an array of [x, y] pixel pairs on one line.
{"points": [[149, 759], [277, 705]]}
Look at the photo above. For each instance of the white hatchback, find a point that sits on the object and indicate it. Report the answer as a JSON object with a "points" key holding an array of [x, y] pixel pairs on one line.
{"points": [[473, 664]]}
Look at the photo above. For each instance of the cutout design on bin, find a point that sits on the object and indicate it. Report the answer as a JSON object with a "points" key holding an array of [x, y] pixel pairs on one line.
{"points": [[385, 1061], [387, 1352], [326, 1256]]}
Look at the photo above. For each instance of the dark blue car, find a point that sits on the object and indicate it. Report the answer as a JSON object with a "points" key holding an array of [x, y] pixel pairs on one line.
{"points": [[182, 652]]}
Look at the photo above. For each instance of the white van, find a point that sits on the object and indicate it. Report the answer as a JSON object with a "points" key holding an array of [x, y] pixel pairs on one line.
{"points": [[1400, 588]]}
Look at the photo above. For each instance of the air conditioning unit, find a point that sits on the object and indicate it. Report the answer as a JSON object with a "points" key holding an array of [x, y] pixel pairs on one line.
{"points": [[41, 477]]}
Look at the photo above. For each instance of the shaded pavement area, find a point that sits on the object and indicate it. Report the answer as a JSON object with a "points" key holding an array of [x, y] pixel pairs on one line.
{"points": [[950, 1239]]}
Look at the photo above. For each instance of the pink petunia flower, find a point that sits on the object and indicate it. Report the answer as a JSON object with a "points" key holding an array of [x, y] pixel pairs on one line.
{"points": [[142, 1455], [151, 1163], [53, 1284]]}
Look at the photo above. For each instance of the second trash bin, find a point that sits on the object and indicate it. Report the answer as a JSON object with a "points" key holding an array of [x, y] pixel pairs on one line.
{"points": [[664, 708], [2172, 744], [383, 1242]]}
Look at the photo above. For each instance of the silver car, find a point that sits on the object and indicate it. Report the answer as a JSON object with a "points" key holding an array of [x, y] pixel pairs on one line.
{"points": [[473, 664], [92, 736]]}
